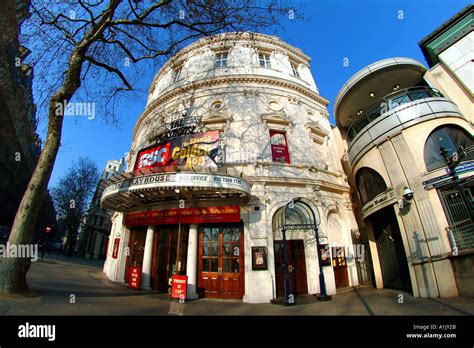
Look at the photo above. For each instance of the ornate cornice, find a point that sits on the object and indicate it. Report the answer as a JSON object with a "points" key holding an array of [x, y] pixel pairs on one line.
{"points": [[231, 38], [225, 80]]}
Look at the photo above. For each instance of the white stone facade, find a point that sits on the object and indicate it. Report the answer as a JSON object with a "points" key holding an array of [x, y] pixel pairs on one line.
{"points": [[245, 101]]}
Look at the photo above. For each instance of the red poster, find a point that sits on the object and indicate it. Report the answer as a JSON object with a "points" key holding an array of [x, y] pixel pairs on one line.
{"points": [[179, 285], [116, 248], [279, 146], [135, 275]]}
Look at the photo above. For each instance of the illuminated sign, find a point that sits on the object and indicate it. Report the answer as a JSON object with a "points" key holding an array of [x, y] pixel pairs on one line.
{"points": [[184, 216], [200, 149]]}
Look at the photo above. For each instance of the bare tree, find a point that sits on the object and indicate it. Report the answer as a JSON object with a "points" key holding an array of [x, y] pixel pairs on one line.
{"points": [[71, 196], [92, 48]]}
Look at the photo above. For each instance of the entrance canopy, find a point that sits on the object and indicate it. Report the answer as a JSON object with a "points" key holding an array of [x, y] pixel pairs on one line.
{"points": [[129, 191], [298, 214]]}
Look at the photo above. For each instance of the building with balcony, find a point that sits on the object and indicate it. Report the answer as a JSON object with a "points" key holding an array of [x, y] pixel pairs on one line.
{"points": [[95, 230], [398, 128], [234, 131]]}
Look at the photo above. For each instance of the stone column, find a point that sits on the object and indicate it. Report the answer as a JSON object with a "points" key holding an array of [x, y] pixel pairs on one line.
{"points": [[145, 282], [192, 260]]}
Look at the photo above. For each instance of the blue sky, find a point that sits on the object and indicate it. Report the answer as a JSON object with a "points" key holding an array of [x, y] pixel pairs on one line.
{"points": [[363, 31]]}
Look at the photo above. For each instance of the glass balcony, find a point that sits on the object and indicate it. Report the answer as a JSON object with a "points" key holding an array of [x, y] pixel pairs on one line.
{"points": [[389, 102]]}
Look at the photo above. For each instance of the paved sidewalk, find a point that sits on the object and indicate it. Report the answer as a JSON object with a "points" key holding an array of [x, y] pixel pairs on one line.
{"points": [[62, 286]]}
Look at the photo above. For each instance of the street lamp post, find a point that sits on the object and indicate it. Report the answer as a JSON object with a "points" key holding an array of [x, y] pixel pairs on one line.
{"points": [[323, 296], [288, 301]]}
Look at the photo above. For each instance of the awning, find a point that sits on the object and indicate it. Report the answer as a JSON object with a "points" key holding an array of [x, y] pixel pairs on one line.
{"points": [[127, 190]]}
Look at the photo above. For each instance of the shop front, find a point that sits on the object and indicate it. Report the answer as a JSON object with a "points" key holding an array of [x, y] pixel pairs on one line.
{"points": [[216, 259]]}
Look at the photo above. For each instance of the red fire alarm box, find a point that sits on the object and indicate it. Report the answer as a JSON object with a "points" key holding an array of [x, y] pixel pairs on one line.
{"points": [[135, 275], [179, 285]]}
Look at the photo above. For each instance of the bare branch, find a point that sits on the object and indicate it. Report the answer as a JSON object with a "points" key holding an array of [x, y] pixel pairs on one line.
{"points": [[110, 69]]}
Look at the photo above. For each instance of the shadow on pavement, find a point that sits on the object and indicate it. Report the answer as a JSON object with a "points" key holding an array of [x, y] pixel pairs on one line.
{"points": [[366, 305], [450, 306]]}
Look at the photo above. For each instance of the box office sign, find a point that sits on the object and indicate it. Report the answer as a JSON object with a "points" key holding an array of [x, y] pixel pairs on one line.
{"points": [[200, 149], [174, 180], [184, 216]]}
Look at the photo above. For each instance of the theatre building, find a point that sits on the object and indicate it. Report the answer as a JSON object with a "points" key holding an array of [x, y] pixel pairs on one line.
{"points": [[234, 139], [408, 151]]}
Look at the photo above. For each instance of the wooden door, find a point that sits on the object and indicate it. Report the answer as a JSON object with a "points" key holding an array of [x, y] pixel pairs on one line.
{"points": [[136, 245], [296, 267], [221, 262], [165, 254], [341, 276], [162, 255]]}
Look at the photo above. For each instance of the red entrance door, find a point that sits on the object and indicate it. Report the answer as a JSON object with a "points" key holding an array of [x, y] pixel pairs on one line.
{"points": [[136, 245], [165, 255], [296, 267], [221, 262], [340, 267]]}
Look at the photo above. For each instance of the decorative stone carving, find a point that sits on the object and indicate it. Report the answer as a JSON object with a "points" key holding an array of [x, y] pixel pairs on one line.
{"points": [[250, 93], [293, 99], [318, 133]]}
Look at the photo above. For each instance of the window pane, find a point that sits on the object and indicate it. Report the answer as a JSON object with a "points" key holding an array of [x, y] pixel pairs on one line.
{"points": [[207, 234], [205, 265], [215, 251], [226, 234], [369, 184], [214, 264], [226, 265], [235, 234], [206, 249], [226, 249], [448, 138], [235, 266], [215, 234]]}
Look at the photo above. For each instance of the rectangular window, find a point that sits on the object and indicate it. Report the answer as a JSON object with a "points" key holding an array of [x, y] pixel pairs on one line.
{"points": [[177, 74], [279, 146], [295, 70], [264, 59], [221, 60]]}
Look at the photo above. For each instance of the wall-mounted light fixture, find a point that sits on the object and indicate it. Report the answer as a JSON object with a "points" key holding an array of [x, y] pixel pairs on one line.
{"points": [[408, 195]]}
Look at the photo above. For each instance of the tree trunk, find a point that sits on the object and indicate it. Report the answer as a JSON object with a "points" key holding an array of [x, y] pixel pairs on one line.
{"points": [[13, 272], [13, 275]]}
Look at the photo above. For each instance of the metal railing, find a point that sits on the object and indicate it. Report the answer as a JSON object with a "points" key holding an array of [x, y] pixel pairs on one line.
{"points": [[461, 236], [389, 102]]}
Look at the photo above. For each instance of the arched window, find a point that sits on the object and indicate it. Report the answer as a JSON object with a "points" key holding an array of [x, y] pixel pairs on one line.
{"points": [[369, 184], [449, 138]]}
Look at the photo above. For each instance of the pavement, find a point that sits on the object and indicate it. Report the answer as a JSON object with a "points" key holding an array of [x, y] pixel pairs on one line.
{"points": [[76, 286]]}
